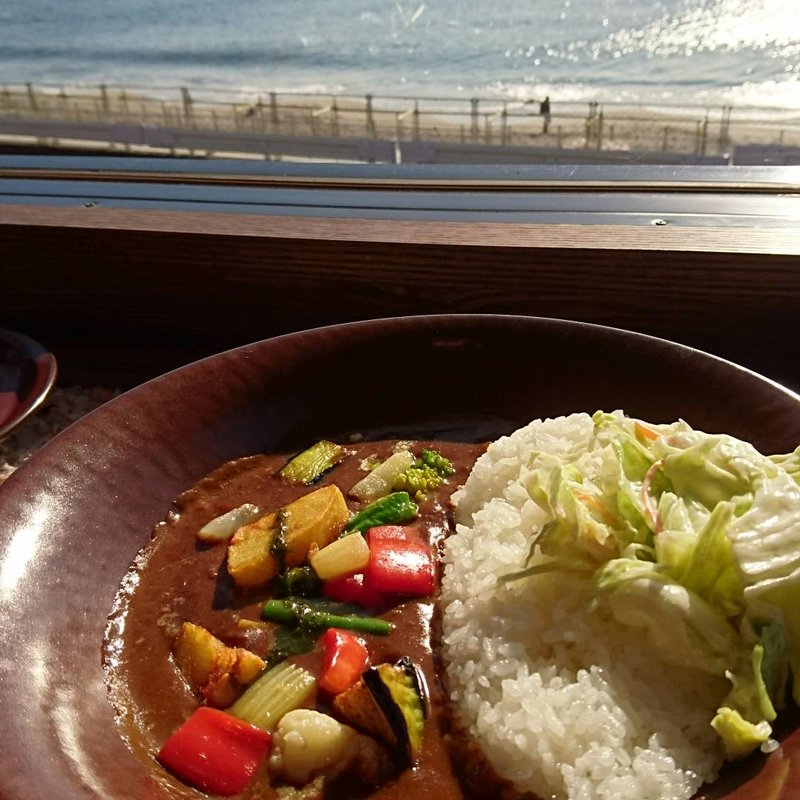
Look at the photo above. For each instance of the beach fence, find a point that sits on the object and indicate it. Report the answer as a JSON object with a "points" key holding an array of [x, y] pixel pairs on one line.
{"points": [[276, 124]]}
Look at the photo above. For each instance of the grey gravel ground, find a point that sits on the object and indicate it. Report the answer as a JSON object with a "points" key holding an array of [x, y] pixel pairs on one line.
{"points": [[63, 407]]}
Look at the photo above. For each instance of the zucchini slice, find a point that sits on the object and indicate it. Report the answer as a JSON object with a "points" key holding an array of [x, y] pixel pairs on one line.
{"points": [[310, 465]]}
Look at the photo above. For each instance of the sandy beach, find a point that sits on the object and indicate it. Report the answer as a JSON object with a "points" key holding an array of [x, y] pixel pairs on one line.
{"points": [[609, 127]]}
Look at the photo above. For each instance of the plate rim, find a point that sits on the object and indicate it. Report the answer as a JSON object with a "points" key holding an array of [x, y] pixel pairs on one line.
{"points": [[315, 336], [46, 366]]}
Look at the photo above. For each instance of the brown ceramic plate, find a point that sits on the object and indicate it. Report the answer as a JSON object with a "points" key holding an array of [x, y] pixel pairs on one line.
{"points": [[27, 374], [73, 517]]}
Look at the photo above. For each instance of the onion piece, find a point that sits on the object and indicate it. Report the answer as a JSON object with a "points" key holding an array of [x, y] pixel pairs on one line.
{"points": [[341, 558], [221, 528]]}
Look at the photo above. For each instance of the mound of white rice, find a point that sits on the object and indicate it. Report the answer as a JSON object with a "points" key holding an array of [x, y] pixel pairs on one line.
{"points": [[564, 702]]}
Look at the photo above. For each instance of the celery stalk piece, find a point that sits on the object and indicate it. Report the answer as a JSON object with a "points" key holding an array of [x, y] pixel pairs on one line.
{"points": [[221, 528], [276, 692], [312, 464]]}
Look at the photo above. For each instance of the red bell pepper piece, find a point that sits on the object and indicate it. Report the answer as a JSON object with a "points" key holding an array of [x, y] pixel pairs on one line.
{"points": [[345, 660], [400, 562], [215, 752], [402, 532], [352, 590]]}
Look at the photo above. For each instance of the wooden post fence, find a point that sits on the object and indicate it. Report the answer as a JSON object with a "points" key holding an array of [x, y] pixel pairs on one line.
{"points": [[273, 109], [32, 97], [600, 130], [334, 118], [186, 100], [466, 120], [474, 114], [370, 117]]}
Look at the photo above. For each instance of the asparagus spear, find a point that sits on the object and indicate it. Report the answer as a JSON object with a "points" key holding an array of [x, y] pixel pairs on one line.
{"points": [[295, 612]]}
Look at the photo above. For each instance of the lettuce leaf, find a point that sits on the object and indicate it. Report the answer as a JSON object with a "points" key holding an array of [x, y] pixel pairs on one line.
{"points": [[679, 625], [749, 695], [739, 736], [766, 538], [711, 570], [580, 527], [692, 538], [774, 666], [783, 596], [789, 463]]}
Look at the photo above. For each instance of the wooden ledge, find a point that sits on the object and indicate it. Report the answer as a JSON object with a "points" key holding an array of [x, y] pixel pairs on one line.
{"points": [[669, 237]]}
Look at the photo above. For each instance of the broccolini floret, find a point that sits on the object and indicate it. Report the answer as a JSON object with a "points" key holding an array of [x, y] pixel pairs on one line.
{"points": [[437, 461], [299, 582], [426, 474]]}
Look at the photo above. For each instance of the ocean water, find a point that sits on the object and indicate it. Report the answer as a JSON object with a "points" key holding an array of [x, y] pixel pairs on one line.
{"points": [[743, 52]]}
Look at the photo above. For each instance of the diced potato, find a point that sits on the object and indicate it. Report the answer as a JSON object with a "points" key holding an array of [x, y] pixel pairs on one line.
{"points": [[312, 521], [251, 625], [213, 669], [250, 560], [316, 518]]}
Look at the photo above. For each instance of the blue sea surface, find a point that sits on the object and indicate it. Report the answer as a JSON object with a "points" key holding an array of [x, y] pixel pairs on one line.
{"points": [[678, 51]]}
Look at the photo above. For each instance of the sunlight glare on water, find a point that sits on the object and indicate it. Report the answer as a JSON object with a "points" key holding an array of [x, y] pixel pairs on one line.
{"points": [[730, 24]]}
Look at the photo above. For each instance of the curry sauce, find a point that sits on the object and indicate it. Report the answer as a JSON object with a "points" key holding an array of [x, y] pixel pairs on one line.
{"points": [[177, 579]]}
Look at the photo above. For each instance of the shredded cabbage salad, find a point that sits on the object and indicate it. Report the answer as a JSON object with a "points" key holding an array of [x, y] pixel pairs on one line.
{"points": [[694, 539]]}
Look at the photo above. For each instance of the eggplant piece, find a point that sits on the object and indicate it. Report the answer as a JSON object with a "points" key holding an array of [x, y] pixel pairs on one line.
{"points": [[390, 702]]}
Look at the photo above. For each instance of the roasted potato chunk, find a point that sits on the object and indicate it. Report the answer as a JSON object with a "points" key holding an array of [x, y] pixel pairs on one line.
{"points": [[214, 670], [250, 558], [258, 551], [315, 519]]}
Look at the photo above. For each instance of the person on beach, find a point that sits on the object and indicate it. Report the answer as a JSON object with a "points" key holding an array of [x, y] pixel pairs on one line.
{"points": [[544, 110]]}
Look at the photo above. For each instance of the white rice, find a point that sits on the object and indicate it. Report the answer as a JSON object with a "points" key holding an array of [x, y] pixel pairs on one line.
{"points": [[564, 702]]}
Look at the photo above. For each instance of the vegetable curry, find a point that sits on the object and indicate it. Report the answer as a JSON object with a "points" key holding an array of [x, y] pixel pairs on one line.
{"points": [[277, 636]]}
